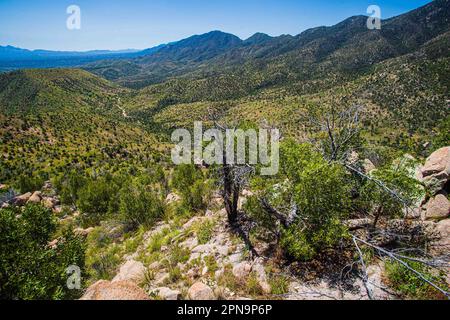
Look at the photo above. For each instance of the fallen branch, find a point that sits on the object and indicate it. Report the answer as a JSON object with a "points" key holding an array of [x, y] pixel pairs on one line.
{"points": [[365, 277]]}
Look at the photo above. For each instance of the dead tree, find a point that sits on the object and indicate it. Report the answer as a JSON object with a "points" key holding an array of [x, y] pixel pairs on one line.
{"points": [[232, 179], [341, 128]]}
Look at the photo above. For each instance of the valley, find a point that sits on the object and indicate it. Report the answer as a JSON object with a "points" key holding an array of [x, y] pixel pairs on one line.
{"points": [[86, 176]]}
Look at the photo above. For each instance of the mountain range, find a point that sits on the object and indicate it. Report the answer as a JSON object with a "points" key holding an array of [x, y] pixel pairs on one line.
{"points": [[400, 73], [91, 142]]}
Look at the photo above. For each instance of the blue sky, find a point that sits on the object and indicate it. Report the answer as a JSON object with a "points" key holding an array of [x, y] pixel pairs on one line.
{"points": [[121, 24]]}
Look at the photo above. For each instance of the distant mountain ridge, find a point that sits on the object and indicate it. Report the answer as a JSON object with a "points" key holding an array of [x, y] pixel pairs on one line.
{"points": [[12, 58], [347, 46]]}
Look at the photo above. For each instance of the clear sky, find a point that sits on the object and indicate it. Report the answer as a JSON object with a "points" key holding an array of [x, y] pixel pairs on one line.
{"points": [[122, 24]]}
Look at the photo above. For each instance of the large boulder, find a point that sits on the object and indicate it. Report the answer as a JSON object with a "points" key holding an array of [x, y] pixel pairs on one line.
{"points": [[200, 291], [436, 171], [261, 276], [131, 271], [35, 198], [242, 270], [368, 165], [119, 290], [167, 293], [442, 245], [22, 199], [438, 207]]}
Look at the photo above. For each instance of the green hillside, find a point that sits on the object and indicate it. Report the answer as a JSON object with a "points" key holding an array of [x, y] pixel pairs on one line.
{"points": [[55, 120]]}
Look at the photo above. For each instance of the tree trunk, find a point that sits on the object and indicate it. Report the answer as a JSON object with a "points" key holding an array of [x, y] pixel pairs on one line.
{"points": [[229, 195]]}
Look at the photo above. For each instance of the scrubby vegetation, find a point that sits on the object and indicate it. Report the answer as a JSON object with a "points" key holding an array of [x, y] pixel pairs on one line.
{"points": [[99, 156], [29, 267]]}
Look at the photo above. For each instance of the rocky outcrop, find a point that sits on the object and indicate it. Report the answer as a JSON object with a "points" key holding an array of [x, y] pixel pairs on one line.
{"points": [[131, 271], [119, 290], [258, 269], [436, 171], [167, 293], [438, 207], [368, 166], [242, 270], [49, 203], [200, 291], [442, 244], [35, 198], [22, 199]]}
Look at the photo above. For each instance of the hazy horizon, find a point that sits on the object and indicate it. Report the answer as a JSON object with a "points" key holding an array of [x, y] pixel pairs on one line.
{"points": [[138, 24]]}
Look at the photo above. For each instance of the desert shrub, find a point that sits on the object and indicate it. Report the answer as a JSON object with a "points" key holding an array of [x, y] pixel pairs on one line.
{"points": [[279, 284], [252, 285], [204, 231], [320, 192], [409, 285], [29, 183], [442, 137], [140, 205], [189, 182], [102, 255], [69, 185], [29, 268], [96, 199], [398, 178]]}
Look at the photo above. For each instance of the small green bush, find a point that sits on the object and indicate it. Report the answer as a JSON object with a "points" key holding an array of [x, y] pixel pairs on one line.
{"points": [[204, 231], [29, 268], [139, 205], [410, 286]]}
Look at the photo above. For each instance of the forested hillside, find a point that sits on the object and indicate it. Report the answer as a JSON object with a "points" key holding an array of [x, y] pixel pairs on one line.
{"points": [[359, 208]]}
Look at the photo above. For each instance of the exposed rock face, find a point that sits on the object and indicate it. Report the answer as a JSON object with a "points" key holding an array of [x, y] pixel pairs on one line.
{"points": [[242, 270], [438, 207], [22, 199], [261, 276], [131, 271], [368, 165], [120, 290], [200, 291], [35, 198], [436, 171], [167, 294], [442, 245], [172, 197]]}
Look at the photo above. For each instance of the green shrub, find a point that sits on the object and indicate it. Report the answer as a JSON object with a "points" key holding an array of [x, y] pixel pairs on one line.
{"points": [[410, 286], [279, 285], [320, 192], [139, 205], [204, 231], [68, 186], [27, 183], [102, 255], [189, 182], [29, 268], [96, 199]]}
